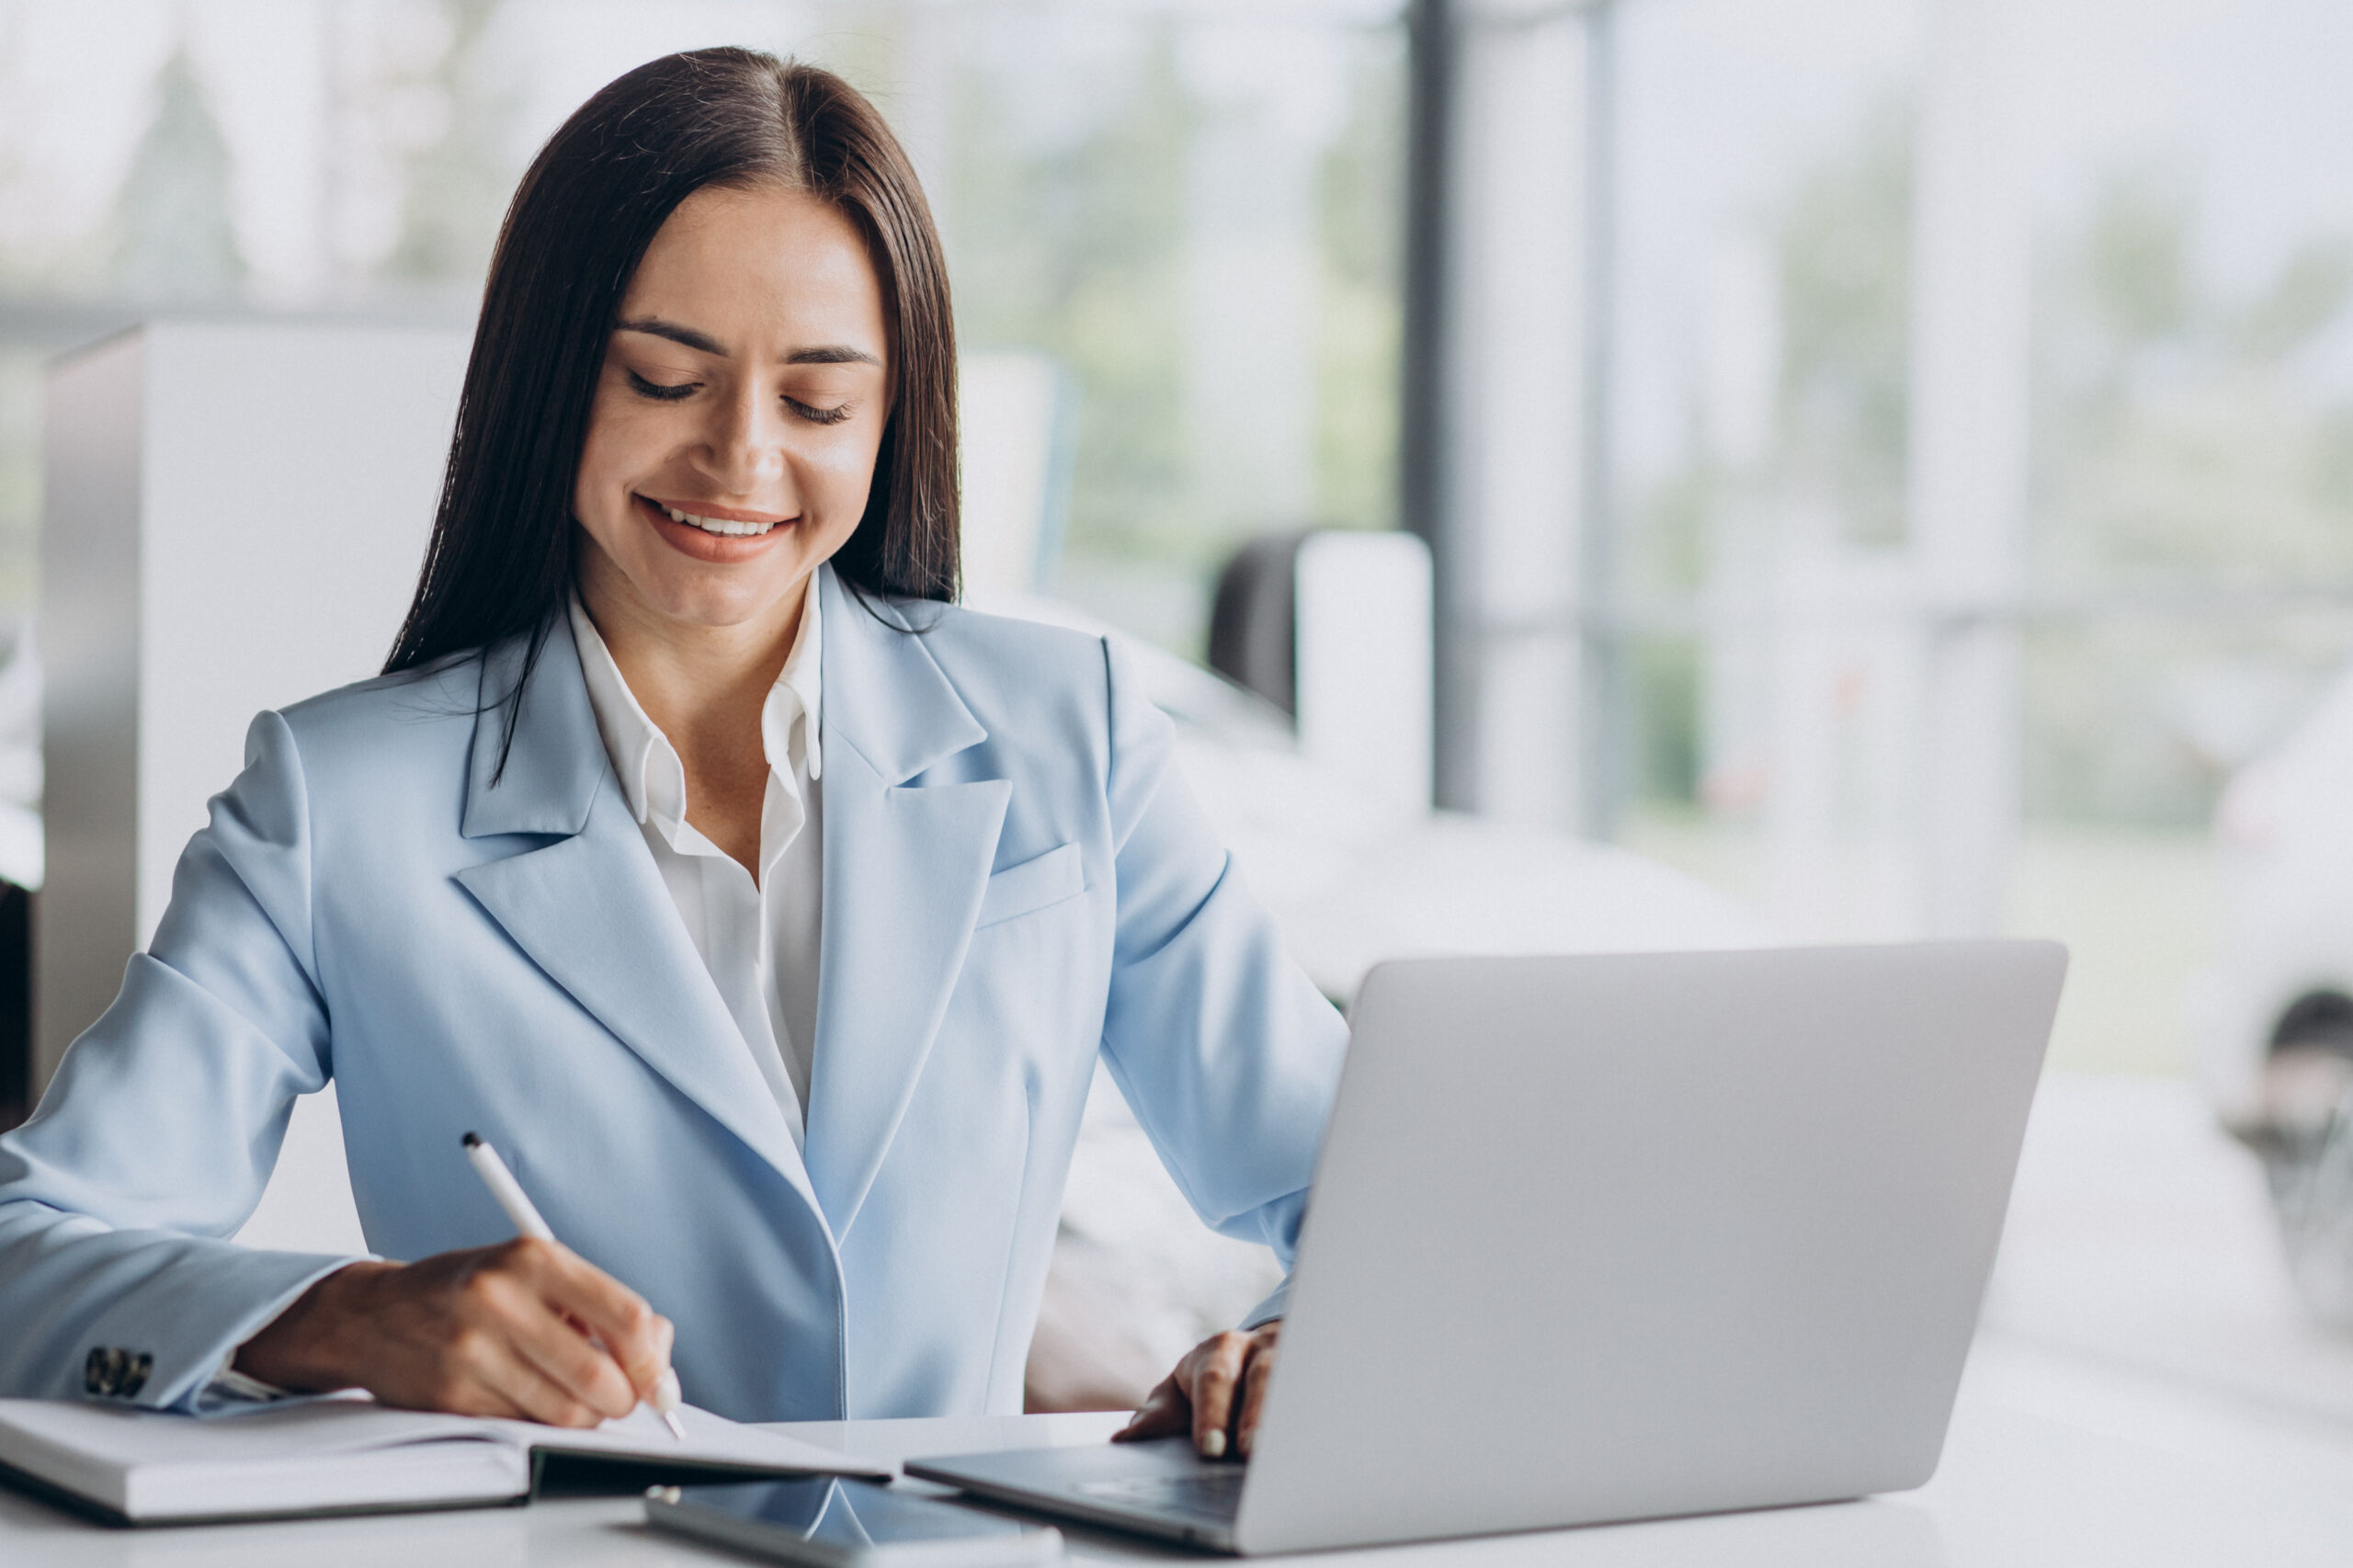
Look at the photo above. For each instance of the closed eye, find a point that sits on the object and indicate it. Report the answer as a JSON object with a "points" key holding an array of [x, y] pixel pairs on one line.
{"points": [[656, 391], [832, 415]]}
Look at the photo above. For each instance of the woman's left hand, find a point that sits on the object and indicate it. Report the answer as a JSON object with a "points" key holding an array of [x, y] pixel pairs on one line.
{"points": [[1216, 1392]]}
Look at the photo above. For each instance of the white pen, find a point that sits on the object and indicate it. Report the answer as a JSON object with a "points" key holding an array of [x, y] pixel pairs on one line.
{"points": [[525, 1218]]}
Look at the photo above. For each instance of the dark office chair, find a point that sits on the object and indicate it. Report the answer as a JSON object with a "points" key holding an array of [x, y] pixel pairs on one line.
{"points": [[16, 1004], [1254, 627]]}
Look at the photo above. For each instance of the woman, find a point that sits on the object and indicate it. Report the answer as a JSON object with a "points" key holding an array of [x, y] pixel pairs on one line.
{"points": [[686, 801]]}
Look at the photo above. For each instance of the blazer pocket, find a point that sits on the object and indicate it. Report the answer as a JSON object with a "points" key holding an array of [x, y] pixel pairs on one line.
{"points": [[1032, 885]]}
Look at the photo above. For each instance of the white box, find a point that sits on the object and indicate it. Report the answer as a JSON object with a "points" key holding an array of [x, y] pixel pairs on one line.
{"points": [[234, 518]]}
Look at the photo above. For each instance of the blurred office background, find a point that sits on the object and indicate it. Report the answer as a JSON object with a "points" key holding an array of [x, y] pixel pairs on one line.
{"points": [[1890, 461]]}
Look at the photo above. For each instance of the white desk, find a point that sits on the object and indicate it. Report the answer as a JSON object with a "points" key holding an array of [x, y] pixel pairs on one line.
{"points": [[2016, 1490]]}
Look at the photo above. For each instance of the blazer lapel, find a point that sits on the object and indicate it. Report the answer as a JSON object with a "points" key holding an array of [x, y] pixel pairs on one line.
{"points": [[906, 865], [591, 909]]}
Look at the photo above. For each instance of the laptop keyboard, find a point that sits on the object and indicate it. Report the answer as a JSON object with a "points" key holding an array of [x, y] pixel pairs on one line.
{"points": [[1215, 1493]]}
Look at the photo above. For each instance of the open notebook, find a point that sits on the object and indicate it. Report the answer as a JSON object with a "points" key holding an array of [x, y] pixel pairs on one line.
{"points": [[349, 1456]]}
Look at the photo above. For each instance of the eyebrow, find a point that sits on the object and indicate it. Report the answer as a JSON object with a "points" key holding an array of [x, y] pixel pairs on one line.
{"points": [[831, 354], [655, 327], [827, 353]]}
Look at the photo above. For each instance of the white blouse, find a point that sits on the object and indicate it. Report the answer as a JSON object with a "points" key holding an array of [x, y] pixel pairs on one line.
{"points": [[760, 941]]}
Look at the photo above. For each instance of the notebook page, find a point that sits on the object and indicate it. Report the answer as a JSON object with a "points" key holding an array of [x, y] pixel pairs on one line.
{"points": [[710, 1439]]}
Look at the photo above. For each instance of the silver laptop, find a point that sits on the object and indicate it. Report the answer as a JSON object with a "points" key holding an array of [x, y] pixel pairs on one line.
{"points": [[1615, 1238]]}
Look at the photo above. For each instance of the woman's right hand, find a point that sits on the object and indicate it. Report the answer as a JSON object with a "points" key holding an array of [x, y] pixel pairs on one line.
{"points": [[525, 1329]]}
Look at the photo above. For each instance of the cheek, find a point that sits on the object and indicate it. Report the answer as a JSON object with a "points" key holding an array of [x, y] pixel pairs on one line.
{"points": [[840, 470], [603, 455], [626, 442]]}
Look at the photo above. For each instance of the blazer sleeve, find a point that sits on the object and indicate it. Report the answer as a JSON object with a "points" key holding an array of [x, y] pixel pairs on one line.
{"points": [[1226, 1052], [153, 1142]]}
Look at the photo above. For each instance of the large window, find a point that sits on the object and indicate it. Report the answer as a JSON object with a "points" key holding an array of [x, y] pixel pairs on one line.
{"points": [[1188, 212], [1190, 216], [2182, 591]]}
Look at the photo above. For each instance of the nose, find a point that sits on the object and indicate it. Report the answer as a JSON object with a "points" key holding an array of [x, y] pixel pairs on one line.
{"points": [[742, 449]]}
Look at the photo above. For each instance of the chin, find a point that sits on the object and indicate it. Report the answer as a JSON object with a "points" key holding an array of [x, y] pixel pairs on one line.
{"points": [[721, 604]]}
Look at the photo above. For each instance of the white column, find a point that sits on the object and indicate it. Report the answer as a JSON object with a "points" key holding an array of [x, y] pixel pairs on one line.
{"points": [[1970, 376], [1516, 270]]}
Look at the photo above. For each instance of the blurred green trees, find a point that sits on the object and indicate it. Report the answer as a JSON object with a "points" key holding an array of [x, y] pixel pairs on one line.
{"points": [[1360, 296], [1077, 244], [174, 237], [455, 181], [2190, 529], [1074, 245], [2193, 520], [1842, 275]]}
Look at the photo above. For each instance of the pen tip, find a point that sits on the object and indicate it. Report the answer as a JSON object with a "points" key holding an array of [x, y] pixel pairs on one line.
{"points": [[471, 1139]]}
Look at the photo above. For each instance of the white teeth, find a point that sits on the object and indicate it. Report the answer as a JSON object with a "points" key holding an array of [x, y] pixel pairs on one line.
{"points": [[717, 525]]}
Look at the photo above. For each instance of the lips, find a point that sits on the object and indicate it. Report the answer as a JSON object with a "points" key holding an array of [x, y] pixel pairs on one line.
{"points": [[725, 528], [719, 540]]}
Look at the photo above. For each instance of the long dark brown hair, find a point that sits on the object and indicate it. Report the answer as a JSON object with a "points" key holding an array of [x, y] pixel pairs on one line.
{"points": [[501, 558]]}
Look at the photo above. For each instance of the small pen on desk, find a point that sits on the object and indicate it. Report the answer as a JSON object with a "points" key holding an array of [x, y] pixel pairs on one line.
{"points": [[525, 1218]]}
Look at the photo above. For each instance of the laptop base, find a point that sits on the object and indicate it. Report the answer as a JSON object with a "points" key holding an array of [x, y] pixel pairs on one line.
{"points": [[1159, 1487]]}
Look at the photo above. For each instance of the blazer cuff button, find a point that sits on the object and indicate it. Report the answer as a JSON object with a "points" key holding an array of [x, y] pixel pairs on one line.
{"points": [[112, 1373]]}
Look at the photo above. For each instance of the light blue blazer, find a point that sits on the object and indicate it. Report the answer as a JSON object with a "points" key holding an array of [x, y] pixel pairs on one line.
{"points": [[1016, 880]]}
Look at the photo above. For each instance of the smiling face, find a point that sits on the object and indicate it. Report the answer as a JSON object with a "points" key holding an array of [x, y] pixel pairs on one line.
{"points": [[743, 396]]}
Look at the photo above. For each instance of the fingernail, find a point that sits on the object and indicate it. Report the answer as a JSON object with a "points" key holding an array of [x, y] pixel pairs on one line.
{"points": [[1213, 1446]]}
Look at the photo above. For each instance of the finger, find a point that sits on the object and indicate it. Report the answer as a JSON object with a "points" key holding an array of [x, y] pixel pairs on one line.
{"points": [[1215, 1376], [608, 1310], [1255, 1376], [500, 1371], [1165, 1411], [581, 1367], [667, 1395], [508, 1300]]}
